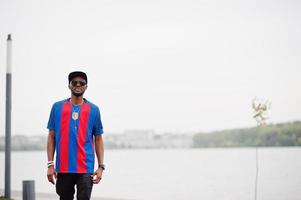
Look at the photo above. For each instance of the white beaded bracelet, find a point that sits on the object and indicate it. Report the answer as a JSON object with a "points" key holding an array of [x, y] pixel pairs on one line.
{"points": [[50, 163]]}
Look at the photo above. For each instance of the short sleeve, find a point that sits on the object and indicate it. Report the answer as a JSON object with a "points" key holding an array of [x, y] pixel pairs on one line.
{"points": [[97, 126], [51, 124]]}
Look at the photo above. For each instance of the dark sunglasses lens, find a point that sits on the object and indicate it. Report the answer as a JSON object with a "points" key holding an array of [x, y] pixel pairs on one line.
{"points": [[81, 83]]}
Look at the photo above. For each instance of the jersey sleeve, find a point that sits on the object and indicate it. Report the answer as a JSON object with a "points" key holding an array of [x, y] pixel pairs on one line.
{"points": [[97, 127], [51, 124]]}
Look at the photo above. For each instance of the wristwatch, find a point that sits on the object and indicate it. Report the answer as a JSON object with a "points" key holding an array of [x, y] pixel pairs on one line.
{"points": [[102, 166]]}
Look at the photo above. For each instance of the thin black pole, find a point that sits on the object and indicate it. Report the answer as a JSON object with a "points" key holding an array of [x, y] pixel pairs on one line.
{"points": [[7, 192], [256, 175]]}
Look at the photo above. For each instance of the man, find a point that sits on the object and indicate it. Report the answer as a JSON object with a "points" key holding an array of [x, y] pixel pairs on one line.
{"points": [[73, 124]]}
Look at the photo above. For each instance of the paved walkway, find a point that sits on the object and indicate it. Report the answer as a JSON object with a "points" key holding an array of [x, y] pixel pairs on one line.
{"points": [[17, 195]]}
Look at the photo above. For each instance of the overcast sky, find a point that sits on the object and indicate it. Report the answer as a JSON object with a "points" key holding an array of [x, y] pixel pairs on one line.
{"points": [[166, 65]]}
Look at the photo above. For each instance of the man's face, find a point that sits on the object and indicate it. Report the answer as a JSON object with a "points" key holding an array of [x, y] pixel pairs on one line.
{"points": [[78, 86]]}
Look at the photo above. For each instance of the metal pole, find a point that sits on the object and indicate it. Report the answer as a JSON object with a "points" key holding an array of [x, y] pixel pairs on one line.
{"points": [[7, 192], [256, 161], [28, 190]]}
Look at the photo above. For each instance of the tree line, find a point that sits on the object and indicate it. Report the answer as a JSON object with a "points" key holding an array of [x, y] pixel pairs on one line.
{"points": [[282, 134]]}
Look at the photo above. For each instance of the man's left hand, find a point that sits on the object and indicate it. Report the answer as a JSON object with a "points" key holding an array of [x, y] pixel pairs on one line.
{"points": [[96, 177]]}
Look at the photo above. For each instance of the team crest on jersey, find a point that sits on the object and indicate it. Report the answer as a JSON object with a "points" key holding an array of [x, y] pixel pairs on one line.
{"points": [[75, 115]]}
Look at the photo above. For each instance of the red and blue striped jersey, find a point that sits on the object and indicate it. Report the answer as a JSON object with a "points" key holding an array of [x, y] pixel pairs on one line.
{"points": [[75, 127]]}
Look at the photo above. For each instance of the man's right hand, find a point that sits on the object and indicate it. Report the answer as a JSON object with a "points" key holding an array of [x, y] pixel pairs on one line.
{"points": [[51, 174]]}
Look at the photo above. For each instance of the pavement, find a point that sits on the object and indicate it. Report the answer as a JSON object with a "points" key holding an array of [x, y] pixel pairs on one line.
{"points": [[17, 195]]}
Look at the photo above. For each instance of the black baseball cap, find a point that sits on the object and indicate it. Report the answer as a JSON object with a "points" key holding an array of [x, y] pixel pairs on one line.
{"points": [[74, 74]]}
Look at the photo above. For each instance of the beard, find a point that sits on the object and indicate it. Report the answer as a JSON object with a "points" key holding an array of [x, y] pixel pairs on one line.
{"points": [[77, 94]]}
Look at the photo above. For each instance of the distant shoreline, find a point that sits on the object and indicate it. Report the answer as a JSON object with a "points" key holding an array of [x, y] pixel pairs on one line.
{"points": [[273, 135], [191, 148]]}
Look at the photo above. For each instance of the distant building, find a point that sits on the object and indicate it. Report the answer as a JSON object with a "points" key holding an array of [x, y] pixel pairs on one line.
{"points": [[128, 139], [147, 139]]}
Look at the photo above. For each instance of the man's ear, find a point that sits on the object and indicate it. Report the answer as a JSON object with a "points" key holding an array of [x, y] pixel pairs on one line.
{"points": [[69, 86]]}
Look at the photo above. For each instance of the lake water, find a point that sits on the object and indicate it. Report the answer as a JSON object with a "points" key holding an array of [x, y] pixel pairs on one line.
{"points": [[180, 174]]}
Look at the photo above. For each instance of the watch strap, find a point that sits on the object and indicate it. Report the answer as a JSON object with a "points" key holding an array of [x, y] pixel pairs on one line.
{"points": [[102, 166]]}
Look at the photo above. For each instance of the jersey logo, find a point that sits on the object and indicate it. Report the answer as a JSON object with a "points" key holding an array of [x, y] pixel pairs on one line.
{"points": [[74, 115]]}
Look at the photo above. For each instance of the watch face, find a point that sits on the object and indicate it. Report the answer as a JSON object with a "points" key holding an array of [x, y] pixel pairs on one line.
{"points": [[102, 166]]}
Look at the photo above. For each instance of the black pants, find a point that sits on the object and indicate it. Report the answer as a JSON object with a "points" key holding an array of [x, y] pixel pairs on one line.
{"points": [[66, 182]]}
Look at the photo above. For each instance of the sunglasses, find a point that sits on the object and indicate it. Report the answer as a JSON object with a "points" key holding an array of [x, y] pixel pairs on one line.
{"points": [[81, 83]]}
